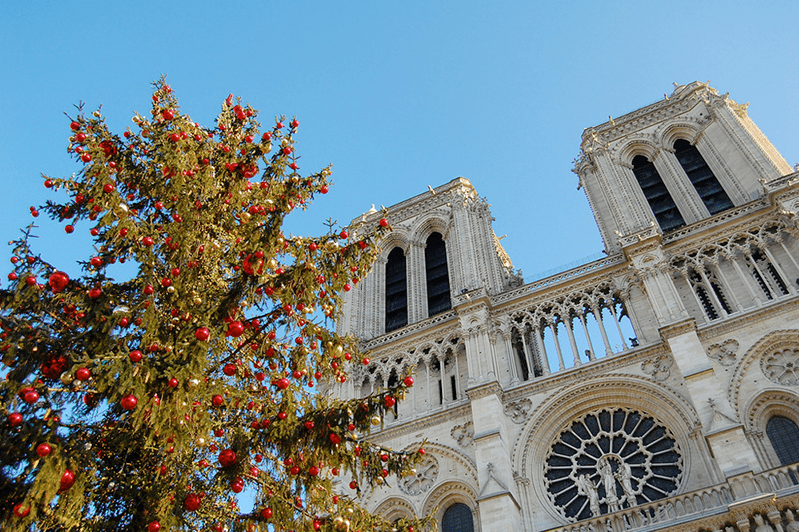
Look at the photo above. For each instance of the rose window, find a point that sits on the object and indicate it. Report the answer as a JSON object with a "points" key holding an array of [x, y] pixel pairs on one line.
{"points": [[609, 460], [422, 477], [782, 367]]}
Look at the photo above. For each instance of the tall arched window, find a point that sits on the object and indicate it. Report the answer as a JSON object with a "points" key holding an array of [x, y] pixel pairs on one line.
{"points": [[457, 518], [435, 259], [396, 290], [656, 194], [701, 176], [784, 436]]}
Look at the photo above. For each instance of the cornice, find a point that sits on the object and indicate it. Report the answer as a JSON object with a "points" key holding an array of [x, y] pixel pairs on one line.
{"points": [[484, 390], [676, 329], [445, 417]]}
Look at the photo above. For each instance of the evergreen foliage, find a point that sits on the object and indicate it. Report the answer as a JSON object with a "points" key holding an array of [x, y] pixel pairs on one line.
{"points": [[148, 404]]}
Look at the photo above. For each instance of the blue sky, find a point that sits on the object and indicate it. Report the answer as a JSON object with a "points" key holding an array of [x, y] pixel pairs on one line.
{"points": [[397, 95]]}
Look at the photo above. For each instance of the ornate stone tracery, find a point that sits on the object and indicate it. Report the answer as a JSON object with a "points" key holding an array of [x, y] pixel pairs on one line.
{"points": [[611, 459], [423, 477], [782, 366]]}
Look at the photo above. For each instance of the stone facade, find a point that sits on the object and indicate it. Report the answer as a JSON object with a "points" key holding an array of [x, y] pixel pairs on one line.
{"points": [[636, 392]]}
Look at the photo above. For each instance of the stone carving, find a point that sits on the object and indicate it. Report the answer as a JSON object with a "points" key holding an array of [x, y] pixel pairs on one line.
{"points": [[422, 478], [761, 525], [463, 434], [587, 488], [518, 411], [782, 366], [659, 367], [724, 353], [610, 460], [792, 525]]}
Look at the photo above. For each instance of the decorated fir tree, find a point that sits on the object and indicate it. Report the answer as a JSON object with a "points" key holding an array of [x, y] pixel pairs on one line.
{"points": [[149, 403]]}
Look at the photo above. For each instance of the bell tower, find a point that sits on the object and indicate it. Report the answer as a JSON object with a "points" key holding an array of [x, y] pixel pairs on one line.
{"points": [[688, 157], [442, 245]]}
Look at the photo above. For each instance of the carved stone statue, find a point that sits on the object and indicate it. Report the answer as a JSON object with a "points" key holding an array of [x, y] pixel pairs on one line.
{"points": [[761, 525], [625, 475], [792, 525], [585, 486], [609, 481]]}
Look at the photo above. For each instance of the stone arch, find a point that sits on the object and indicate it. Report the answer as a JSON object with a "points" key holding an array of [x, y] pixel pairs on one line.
{"points": [[637, 146], [395, 239], [431, 224], [770, 402], [788, 338], [682, 129], [394, 508], [550, 418], [448, 493]]}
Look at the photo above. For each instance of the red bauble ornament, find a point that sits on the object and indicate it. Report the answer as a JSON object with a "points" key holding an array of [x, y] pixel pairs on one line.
{"points": [[344, 234], [21, 511], [347, 287], [15, 419], [421, 451], [323, 189], [108, 188], [86, 158], [383, 222], [313, 471], [154, 526], [68, 229], [94, 293], [129, 402], [227, 457], [390, 401], [353, 485], [67, 480], [135, 356], [192, 502], [309, 425], [74, 126], [168, 114], [217, 400], [408, 381], [58, 281], [172, 383], [335, 439], [283, 383], [43, 449], [365, 361], [229, 369], [266, 513], [30, 281], [147, 241], [83, 374], [235, 329], [202, 334], [148, 290], [96, 262], [31, 396]]}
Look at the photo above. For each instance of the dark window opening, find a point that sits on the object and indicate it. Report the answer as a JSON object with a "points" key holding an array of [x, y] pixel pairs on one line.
{"points": [[720, 296], [457, 518], [707, 305], [518, 347], [701, 176], [452, 383], [440, 392], [437, 274], [784, 436], [657, 195], [396, 291]]}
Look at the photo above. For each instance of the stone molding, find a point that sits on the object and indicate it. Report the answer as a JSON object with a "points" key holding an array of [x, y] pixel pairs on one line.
{"points": [[774, 340]]}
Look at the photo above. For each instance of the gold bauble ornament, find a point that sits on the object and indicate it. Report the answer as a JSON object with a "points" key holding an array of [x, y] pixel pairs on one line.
{"points": [[67, 378], [375, 420]]}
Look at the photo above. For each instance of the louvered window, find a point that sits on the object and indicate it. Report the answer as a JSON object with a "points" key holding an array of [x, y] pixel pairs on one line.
{"points": [[784, 437], [657, 195], [701, 176], [457, 518], [396, 290], [435, 258]]}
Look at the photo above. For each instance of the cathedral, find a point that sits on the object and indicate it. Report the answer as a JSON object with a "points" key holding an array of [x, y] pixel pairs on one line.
{"points": [[656, 388]]}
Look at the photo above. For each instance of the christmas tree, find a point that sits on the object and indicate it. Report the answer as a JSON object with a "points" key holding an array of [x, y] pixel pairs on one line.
{"points": [[149, 403]]}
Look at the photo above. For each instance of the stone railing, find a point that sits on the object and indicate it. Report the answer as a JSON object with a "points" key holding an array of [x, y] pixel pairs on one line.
{"points": [[670, 513], [566, 276]]}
